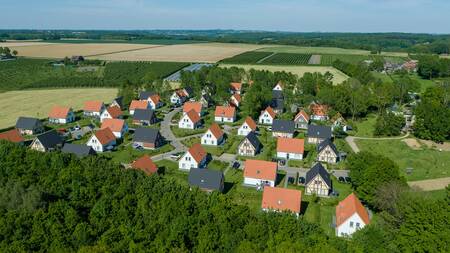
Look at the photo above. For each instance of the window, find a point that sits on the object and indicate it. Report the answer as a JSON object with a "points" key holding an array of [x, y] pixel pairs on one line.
{"points": [[187, 158], [357, 224], [351, 224]]}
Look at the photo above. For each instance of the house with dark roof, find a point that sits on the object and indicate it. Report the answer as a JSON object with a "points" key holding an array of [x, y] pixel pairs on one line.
{"points": [[206, 179], [281, 200], [48, 141], [277, 94], [250, 145], [318, 181], [351, 216], [144, 117], [29, 126], [317, 134], [147, 138], [118, 101], [283, 128], [12, 135], [145, 95], [327, 152], [80, 150], [277, 105]]}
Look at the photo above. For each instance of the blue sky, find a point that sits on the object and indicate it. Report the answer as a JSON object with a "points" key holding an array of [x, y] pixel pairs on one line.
{"points": [[428, 16]]}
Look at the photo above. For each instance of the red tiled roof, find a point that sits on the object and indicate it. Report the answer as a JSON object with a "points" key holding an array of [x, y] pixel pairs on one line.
{"points": [[116, 125], [303, 114], [155, 98], [319, 110], [281, 199], [236, 86], [193, 116], [260, 169], [93, 106], [225, 111], [270, 111], [181, 93], [197, 152], [290, 145], [105, 136], [138, 104], [12, 135], [251, 123], [146, 164], [114, 111], [196, 106], [59, 112], [215, 130], [349, 206], [237, 97]]}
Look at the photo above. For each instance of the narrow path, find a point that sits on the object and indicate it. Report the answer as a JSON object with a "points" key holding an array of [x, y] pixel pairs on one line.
{"points": [[127, 50], [351, 140], [431, 184], [265, 58]]}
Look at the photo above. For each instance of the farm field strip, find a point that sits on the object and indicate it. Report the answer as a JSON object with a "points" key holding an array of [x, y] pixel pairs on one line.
{"points": [[248, 58], [315, 59], [287, 59], [324, 50]]}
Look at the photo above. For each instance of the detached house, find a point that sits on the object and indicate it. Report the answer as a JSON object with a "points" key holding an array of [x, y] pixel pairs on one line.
{"points": [[12, 135], [281, 200], [195, 157], [214, 136], [144, 117], [80, 150], [179, 96], [339, 122], [235, 100], [319, 112], [290, 149], [118, 101], [250, 146], [118, 126], [93, 108], [102, 140], [61, 115], [29, 126], [235, 88], [247, 127], [207, 180], [189, 120], [138, 104], [145, 95], [283, 128], [350, 216], [301, 120], [267, 116], [260, 173], [327, 152], [112, 112], [317, 134], [277, 105], [225, 114], [48, 141], [318, 181], [147, 138], [154, 102], [197, 107], [145, 164]]}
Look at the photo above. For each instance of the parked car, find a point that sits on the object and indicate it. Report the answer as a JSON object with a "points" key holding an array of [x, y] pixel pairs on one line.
{"points": [[348, 180], [176, 156], [136, 146], [341, 179]]}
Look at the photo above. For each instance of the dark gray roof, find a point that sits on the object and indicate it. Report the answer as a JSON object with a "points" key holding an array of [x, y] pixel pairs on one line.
{"points": [[323, 132], [148, 135], [50, 139], [277, 104], [143, 114], [79, 150], [176, 77], [325, 143], [277, 94], [206, 179], [119, 101], [283, 126], [253, 139], [318, 169], [189, 90], [28, 123], [144, 95]]}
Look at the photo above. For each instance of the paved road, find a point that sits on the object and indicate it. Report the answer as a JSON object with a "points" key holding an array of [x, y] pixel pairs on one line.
{"points": [[168, 135], [431, 184], [351, 140]]}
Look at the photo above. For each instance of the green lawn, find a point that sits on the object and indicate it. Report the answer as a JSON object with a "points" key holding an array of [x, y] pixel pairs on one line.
{"points": [[170, 169], [178, 132], [426, 163], [126, 154], [364, 127], [240, 194], [217, 165]]}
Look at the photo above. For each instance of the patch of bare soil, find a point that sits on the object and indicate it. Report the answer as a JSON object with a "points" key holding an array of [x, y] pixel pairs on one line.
{"points": [[437, 146], [412, 143]]}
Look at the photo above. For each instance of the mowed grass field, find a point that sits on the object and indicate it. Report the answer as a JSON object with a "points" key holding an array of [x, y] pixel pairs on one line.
{"points": [[37, 103], [339, 77]]}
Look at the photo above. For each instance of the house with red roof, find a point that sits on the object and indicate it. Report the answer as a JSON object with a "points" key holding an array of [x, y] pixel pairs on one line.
{"points": [[102, 140], [350, 216], [195, 157], [118, 126], [281, 200], [235, 100], [319, 111], [93, 108], [180, 96], [138, 104], [112, 112], [214, 136], [290, 148], [145, 164], [12, 135], [154, 101], [225, 114], [301, 120], [260, 173], [189, 120], [267, 116], [235, 88], [191, 105], [61, 115], [247, 127]]}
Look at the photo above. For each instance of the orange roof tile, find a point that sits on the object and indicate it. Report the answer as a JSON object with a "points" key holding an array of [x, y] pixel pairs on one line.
{"points": [[290, 145], [236, 86], [181, 93], [303, 114], [105, 136], [114, 111], [271, 112], [196, 106], [251, 123], [93, 106], [59, 112], [193, 116], [12, 135], [197, 152], [225, 111], [155, 98], [146, 164], [319, 110], [237, 97], [116, 125], [215, 130], [349, 206], [281, 199], [138, 104], [260, 169]]}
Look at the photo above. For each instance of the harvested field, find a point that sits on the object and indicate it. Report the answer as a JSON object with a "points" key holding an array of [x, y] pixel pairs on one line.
{"points": [[11, 44], [339, 77], [61, 50], [204, 52], [412, 143], [37, 103]]}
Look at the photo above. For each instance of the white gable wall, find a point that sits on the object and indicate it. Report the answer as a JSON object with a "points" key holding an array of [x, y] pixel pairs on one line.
{"points": [[350, 225], [265, 118]]}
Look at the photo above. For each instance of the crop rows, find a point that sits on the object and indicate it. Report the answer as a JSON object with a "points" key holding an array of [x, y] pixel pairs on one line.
{"points": [[328, 60], [247, 58], [287, 59]]}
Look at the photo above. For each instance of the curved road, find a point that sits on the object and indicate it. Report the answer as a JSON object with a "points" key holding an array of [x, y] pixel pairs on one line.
{"points": [[351, 140]]}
